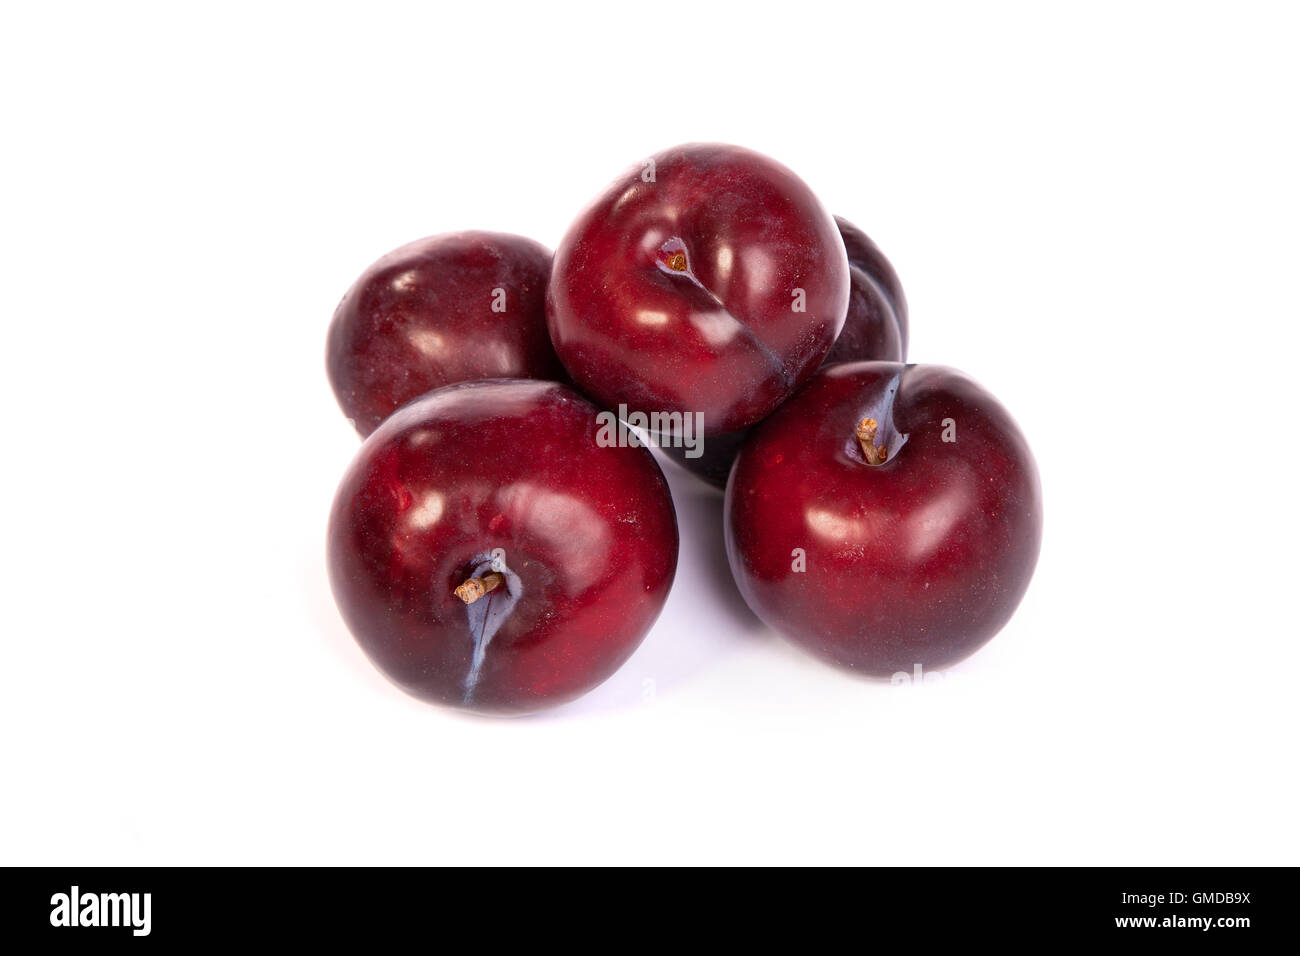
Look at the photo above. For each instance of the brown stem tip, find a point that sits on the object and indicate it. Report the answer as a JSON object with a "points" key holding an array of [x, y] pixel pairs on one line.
{"points": [[677, 262], [866, 434], [475, 588]]}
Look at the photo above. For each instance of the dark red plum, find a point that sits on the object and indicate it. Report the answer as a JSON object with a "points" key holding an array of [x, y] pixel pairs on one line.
{"points": [[709, 279], [876, 327], [888, 516], [489, 551], [450, 308]]}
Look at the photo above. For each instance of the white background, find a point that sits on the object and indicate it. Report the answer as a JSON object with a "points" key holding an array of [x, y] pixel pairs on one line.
{"points": [[1093, 212]]}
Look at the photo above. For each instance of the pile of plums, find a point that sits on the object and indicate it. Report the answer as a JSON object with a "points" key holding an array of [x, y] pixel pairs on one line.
{"points": [[504, 539]]}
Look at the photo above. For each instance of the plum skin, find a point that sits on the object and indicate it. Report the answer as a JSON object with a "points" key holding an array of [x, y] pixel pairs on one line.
{"points": [[590, 531], [450, 308], [917, 561], [713, 281]]}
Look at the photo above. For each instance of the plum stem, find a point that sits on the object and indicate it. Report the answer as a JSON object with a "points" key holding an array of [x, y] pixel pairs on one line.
{"points": [[866, 434], [475, 588], [677, 262]]}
